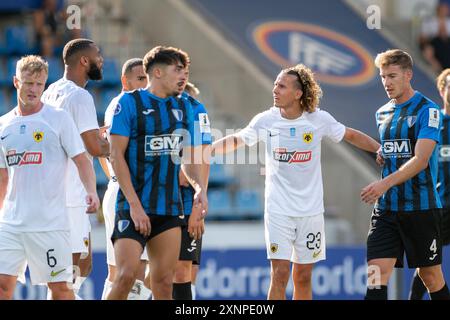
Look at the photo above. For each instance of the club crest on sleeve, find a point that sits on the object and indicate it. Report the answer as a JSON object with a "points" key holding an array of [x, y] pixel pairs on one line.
{"points": [[117, 109]]}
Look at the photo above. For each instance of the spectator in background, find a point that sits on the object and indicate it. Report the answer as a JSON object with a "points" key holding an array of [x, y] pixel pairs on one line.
{"points": [[50, 26], [434, 39]]}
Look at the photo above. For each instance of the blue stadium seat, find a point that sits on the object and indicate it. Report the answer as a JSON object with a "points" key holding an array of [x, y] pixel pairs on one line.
{"points": [[12, 99], [219, 205], [218, 176], [106, 95], [4, 80], [4, 103], [111, 73], [11, 68], [17, 40], [249, 204], [55, 69]]}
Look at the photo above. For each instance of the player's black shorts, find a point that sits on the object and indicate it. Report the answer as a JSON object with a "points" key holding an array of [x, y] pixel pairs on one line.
{"points": [[416, 233], [191, 249], [124, 226], [445, 226]]}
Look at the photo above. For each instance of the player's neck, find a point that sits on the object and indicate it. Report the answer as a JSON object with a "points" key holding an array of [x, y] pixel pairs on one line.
{"points": [[27, 110], [406, 95], [78, 77], [157, 91], [291, 112], [447, 109]]}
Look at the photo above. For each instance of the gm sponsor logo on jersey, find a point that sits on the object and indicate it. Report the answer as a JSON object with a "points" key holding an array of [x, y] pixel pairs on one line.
{"points": [[282, 155], [166, 144], [23, 158], [335, 59], [397, 148]]}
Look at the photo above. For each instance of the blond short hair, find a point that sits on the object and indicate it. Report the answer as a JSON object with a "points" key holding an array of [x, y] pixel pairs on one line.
{"points": [[441, 81], [394, 57], [32, 63], [192, 90]]}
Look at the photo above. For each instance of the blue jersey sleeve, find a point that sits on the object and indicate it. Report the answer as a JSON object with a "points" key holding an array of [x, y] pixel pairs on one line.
{"points": [[202, 125], [123, 116], [429, 123]]}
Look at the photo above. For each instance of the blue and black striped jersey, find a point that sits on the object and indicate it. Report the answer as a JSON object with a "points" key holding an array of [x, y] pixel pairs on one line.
{"points": [[443, 185], [400, 127], [187, 193], [157, 129]]}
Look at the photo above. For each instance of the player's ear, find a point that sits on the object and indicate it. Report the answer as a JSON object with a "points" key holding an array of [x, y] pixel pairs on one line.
{"points": [[16, 82], [123, 80], [298, 94]]}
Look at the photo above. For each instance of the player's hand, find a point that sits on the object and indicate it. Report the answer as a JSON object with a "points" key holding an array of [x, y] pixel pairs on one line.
{"points": [[196, 224], [93, 203], [183, 180], [373, 191], [200, 203], [380, 159], [141, 220], [102, 131]]}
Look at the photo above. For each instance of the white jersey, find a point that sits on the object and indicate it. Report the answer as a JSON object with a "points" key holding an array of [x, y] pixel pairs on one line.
{"points": [[78, 102], [109, 114], [293, 170], [35, 149]]}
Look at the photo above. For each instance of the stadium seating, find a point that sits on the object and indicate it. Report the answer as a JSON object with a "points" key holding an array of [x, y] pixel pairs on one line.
{"points": [[219, 204], [17, 40], [249, 204]]}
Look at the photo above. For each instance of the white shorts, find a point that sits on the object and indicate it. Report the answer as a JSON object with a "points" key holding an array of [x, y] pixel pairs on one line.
{"points": [[109, 212], [47, 254], [298, 239], [80, 228]]}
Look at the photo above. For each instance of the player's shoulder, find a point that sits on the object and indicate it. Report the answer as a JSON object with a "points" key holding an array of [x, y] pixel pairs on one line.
{"points": [[387, 107], [128, 97]]}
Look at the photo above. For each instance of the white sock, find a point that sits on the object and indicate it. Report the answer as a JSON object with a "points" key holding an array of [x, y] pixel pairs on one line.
{"points": [[146, 293], [77, 285], [49, 294], [193, 291], [135, 291], [106, 289]]}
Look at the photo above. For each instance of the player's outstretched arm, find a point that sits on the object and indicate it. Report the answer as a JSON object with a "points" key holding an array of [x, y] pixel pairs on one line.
{"points": [[227, 144], [87, 177], [422, 153], [361, 140], [95, 143], [119, 145], [3, 184]]}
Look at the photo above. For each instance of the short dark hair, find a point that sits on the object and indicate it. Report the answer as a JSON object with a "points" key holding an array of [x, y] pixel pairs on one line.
{"points": [[165, 55], [130, 64], [74, 46]]}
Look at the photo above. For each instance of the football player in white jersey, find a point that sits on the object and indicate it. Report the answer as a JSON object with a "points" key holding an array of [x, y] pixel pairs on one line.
{"points": [[133, 77], [36, 142], [292, 131], [83, 62]]}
